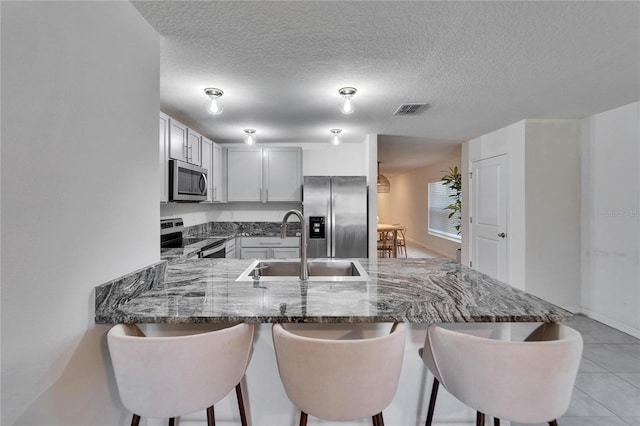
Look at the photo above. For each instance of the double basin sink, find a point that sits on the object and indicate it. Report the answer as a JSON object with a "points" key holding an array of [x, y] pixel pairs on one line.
{"points": [[319, 270]]}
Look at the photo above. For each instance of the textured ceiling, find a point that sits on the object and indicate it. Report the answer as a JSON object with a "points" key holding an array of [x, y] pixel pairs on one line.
{"points": [[480, 66]]}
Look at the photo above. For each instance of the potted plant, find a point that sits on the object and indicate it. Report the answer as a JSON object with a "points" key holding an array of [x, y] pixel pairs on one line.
{"points": [[453, 180]]}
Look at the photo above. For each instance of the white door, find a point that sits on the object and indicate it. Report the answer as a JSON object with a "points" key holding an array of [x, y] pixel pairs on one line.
{"points": [[489, 217]]}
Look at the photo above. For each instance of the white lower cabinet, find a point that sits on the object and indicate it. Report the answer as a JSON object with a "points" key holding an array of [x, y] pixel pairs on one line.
{"points": [[230, 249], [269, 248]]}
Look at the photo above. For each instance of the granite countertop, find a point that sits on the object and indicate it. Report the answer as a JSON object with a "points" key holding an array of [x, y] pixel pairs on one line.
{"points": [[411, 290]]}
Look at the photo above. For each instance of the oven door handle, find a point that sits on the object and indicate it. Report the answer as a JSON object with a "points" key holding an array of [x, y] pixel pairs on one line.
{"points": [[209, 251]]}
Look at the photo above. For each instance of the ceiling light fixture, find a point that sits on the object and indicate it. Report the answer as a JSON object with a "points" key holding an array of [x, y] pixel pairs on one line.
{"points": [[347, 105], [384, 185], [250, 136], [335, 136], [214, 106]]}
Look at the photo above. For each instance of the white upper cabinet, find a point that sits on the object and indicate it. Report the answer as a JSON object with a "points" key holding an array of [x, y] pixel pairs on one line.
{"points": [[194, 147], [212, 154], [164, 158], [283, 174], [244, 174], [207, 163], [264, 174], [184, 143], [218, 176]]}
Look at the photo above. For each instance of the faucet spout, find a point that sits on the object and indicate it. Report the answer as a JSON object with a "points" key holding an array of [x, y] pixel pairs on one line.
{"points": [[304, 268]]}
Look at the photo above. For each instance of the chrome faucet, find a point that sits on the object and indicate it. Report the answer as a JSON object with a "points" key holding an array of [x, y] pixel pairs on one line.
{"points": [[304, 269]]}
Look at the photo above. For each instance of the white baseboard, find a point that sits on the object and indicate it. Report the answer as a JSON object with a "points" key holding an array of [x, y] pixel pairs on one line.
{"points": [[417, 243], [612, 323]]}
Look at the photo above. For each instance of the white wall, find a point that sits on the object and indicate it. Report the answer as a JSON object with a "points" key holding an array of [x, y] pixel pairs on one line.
{"points": [[543, 203], [552, 204], [80, 96], [407, 203], [611, 217], [318, 159]]}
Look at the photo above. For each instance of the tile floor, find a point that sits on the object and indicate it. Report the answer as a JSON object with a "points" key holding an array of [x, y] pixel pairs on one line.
{"points": [[607, 389]]}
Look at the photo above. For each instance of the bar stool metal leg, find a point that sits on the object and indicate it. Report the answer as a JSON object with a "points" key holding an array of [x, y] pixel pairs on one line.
{"points": [[211, 416], [479, 418], [432, 402], [243, 414], [135, 420], [303, 418]]}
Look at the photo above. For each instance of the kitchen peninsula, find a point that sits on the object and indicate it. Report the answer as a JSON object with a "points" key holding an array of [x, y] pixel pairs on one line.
{"points": [[182, 293], [415, 291]]}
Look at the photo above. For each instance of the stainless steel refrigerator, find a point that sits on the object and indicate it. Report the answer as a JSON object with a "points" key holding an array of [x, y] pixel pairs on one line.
{"points": [[335, 210]]}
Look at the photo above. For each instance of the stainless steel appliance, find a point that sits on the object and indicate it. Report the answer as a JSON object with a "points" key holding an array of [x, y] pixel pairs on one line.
{"points": [[187, 182], [335, 210], [171, 233], [215, 250], [171, 237]]}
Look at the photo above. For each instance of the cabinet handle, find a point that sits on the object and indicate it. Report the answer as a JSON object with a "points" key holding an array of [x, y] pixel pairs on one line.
{"points": [[266, 195], [190, 150], [502, 235], [185, 151], [215, 192]]}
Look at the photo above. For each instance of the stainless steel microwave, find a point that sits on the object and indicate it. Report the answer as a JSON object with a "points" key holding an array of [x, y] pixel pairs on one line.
{"points": [[187, 182]]}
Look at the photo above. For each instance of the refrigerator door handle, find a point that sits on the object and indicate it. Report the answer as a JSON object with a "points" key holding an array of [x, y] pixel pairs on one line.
{"points": [[329, 233], [333, 226]]}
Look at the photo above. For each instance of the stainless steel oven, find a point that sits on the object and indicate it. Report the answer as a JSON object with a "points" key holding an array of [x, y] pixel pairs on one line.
{"points": [[187, 182]]}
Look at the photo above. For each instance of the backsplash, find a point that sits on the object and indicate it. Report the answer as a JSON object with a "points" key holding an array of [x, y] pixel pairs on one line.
{"points": [[254, 229]]}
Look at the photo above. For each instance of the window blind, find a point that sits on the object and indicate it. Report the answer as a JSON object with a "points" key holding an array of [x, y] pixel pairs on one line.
{"points": [[439, 222]]}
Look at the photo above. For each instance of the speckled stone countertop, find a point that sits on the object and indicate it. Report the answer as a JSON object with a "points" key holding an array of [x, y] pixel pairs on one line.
{"points": [[412, 290], [206, 233]]}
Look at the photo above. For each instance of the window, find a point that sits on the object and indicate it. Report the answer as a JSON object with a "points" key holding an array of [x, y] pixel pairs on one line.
{"points": [[439, 222]]}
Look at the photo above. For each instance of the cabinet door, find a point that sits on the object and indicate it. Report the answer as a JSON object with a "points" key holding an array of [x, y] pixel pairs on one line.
{"points": [[193, 148], [217, 177], [244, 174], [285, 252], [164, 158], [207, 163], [230, 249], [283, 174], [254, 253], [177, 140]]}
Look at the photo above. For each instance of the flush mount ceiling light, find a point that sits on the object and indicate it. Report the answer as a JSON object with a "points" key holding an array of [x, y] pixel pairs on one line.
{"points": [[335, 136], [214, 107], [249, 136], [347, 105], [384, 185]]}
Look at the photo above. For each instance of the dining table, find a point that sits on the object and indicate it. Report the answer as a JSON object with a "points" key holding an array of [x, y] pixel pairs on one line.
{"points": [[393, 229]]}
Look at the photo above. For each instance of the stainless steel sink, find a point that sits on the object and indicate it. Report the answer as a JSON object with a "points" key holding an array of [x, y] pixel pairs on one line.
{"points": [[319, 270]]}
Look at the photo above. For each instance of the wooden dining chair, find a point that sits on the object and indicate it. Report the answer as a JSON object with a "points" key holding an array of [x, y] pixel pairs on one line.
{"points": [[402, 244], [384, 244]]}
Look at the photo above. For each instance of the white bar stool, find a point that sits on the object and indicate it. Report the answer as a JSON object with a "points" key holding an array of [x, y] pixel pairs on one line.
{"points": [[500, 331], [340, 380], [168, 377], [526, 382]]}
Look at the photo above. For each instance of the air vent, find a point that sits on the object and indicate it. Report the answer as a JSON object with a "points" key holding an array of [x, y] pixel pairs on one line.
{"points": [[411, 109]]}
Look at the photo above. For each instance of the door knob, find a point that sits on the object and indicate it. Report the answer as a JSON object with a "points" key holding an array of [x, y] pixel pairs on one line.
{"points": [[502, 235]]}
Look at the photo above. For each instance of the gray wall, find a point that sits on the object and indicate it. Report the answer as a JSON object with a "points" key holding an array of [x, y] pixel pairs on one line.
{"points": [[80, 97]]}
